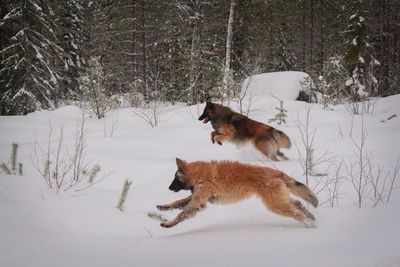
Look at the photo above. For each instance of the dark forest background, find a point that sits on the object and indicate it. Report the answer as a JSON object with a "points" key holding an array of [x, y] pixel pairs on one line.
{"points": [[52, 52]]}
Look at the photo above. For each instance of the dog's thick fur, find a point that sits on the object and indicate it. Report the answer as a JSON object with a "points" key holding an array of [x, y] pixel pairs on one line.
{"points": [[228, 182], [237, 128]]}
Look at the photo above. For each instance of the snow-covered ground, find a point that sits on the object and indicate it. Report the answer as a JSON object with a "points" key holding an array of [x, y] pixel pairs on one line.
{"points": [[39, 227], [281, 84]]}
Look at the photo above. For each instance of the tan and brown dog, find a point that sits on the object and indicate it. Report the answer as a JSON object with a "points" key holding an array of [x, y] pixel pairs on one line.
{"points": [[228, 182], [237, 128]]}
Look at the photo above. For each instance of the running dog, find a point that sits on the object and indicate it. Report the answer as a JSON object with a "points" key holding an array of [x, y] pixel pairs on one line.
{"points": [[228, 182], [237, 128]]}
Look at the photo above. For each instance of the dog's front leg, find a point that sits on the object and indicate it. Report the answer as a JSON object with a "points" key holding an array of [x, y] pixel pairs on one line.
{"points": [[225, 132], [179, 204], [188, 212], [197, 203], [214, 134]]}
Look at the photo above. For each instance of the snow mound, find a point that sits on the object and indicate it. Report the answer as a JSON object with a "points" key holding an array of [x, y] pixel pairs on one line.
{"points": [[284, 85]]}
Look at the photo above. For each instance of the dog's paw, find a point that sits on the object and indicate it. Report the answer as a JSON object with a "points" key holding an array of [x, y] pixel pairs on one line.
{"points": [[165, 225], [162, 208], [212, 135], [310, 223], [219, 143]]}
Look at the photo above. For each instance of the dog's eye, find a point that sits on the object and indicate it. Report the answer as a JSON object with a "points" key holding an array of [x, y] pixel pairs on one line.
{"points": [[179, 175]]}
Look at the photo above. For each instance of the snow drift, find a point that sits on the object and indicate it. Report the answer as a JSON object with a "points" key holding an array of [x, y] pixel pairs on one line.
{"points": [[284, 85]]}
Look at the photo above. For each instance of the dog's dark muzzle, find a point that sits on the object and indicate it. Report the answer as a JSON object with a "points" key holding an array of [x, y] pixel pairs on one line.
{"points": [[176, 185], [204, 117]]}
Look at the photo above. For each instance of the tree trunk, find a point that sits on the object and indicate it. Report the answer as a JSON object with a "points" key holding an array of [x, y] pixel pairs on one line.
{"points": [[304, 30], [144, 56], [194, 55], [312, 35], [385, 46], [227, 79], [322, 41]]}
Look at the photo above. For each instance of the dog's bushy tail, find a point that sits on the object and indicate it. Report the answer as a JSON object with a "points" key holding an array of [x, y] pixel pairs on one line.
{"points": [[282, 139], [301, 190]]}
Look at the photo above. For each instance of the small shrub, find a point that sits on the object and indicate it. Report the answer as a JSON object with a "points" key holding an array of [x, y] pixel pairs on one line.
{"points": [[10, 168], [93, 90], [124, 194], [281, 116]]}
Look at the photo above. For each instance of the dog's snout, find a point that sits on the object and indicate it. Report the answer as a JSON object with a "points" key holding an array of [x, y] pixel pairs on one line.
{"points": [[176, 185]]}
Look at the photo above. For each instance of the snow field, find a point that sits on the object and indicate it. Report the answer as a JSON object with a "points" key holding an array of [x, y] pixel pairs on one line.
{"points": [[39, 227]]}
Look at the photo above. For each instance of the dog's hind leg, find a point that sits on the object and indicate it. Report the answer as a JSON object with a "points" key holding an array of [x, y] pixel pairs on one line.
{"points": [[280, 154], [275, 197], [179, 204], [268, 147], [303, 209]]}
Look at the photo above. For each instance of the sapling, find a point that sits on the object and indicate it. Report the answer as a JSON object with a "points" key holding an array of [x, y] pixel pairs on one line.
{"points": [[93, 173], [46, 170], [124, 194], [20, 168], [157, 216], [309, 159], [281, 116], [356, 169], [5, 169], [306, 149], [92, 89], [11, 167], [14, 150], [62, 169]]}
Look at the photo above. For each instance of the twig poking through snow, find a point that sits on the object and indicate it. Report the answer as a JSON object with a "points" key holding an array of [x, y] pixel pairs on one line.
{"points": [[124, 194], [156, 216]]}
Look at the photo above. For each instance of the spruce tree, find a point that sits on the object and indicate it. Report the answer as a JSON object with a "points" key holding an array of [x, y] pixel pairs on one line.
{"points": [[281, 116], [358, 58], [29, 55], [71, 35], [92, 89]]}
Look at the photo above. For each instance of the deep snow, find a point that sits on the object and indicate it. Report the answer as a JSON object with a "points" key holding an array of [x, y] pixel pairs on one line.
{"points": [[284, 85], [39, 227]]}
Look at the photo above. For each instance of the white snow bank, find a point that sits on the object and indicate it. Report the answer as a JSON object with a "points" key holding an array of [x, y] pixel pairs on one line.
{"points": [[284, 85]]}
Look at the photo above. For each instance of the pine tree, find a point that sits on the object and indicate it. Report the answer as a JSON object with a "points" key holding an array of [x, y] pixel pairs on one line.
{"points": [[281, 116], [358, 59], [29, 55], [284, 58], [92, 89], [71, 37]]}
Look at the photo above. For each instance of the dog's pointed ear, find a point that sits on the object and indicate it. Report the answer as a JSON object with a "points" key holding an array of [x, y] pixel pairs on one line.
{"points": [[180, 163]]}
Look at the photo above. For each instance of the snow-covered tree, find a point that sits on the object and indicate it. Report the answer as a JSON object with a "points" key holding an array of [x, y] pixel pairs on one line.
{"points": [[29, 53], [281, 116], [334, 74], [284, 58], [358, 59], [92, 89], [71, 38]]}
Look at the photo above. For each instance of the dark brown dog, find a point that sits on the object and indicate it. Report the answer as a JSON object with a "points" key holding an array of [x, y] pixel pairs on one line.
{"points": [[237, 128]]}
